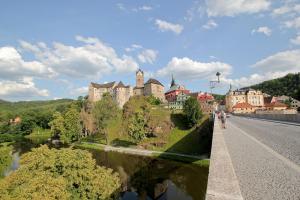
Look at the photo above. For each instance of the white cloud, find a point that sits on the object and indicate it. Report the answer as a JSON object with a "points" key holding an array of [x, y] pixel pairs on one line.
{"points": [[120, 6], [235, 7], [294, 23], [145, 8], [263, 29], [253, 79], [148, 56], [24, 89], [282, 61], [290, 9], [92, 59], [133, 47], [273, 66], [296, 40], [188, 69], [211, 24], [13, 66], [167, 26], [79, 91]]}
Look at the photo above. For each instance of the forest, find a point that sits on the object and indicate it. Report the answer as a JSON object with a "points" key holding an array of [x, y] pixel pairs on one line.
{"points": [[288, 85]]}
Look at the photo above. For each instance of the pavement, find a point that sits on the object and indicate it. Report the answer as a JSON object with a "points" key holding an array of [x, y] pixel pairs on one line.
{"points": [[266, 158]]}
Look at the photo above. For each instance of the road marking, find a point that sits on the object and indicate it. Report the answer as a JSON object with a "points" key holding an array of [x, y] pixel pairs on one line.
{"points": [[274, 153]]}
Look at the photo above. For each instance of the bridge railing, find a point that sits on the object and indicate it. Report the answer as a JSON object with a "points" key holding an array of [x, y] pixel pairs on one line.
{"points": [[222, 181]]}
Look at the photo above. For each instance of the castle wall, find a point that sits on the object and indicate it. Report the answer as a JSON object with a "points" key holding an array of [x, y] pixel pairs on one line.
{"points": [[155, 90]]}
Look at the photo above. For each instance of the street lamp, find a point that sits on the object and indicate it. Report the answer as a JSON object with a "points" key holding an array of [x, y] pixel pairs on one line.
{"points": [[212, 84]]}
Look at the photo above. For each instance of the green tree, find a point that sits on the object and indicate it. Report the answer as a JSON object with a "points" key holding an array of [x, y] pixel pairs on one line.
{"points": [[71, 125], [57, 124], [5, 158], [153, 100], [192, 110], [136, 126], [59, 174], [103, 111]]}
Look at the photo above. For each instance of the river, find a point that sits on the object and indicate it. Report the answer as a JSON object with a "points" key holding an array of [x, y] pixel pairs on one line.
{"points": [[142, 177]]}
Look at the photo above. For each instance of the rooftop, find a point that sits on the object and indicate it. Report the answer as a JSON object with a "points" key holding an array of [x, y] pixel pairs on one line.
{"points": [[105, 85], [243, 105], [153, 81]]}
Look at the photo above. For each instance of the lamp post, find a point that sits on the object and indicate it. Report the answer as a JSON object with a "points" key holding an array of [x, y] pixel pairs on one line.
{"points": [[212, 84]]}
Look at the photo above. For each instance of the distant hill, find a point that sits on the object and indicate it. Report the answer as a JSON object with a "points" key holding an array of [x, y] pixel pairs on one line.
{"points": [[288, 85], [28, 105]]}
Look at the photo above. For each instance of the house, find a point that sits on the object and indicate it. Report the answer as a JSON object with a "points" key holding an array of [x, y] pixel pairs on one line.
{"points": [[243, 107], [276, 106], [295, 104], [176, 95], [253, 97]]}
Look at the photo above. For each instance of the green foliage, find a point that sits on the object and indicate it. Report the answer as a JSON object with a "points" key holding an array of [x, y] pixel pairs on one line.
{"points": [[32, 113], [288, 85], [104, 110], [66, 126], [57, 124], [219, 97], [192, 110], [71, 125], [153, 100], [60, 174], [137, 126], [5, 158]]}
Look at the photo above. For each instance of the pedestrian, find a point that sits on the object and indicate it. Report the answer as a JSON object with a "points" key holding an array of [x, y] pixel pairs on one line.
{"points": [[223, 119]]}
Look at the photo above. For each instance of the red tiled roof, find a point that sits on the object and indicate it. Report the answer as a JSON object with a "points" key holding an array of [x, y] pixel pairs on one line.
{"points": [[275, 104], [242, 105]]}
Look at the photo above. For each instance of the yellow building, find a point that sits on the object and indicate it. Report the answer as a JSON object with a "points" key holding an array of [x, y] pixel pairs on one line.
{"points": [[253, 97]]}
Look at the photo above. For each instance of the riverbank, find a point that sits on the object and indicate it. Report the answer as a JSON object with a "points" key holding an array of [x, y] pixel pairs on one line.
{"points": [[198, 160]]}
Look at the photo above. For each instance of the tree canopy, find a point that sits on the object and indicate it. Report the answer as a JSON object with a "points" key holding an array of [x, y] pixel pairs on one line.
{"points": [[59, 174], [104, 110], [288, 85], [192, 110]]}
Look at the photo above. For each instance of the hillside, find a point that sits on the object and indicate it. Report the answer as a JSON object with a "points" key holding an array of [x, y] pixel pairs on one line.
{"points": [[6, 106], [288, 85]]}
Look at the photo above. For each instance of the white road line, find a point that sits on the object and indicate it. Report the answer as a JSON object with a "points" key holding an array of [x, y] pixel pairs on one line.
{"points": [[274, 153]]}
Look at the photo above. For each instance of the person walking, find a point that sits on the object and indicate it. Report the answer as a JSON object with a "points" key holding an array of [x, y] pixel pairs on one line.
{"points": [[223, 119]]}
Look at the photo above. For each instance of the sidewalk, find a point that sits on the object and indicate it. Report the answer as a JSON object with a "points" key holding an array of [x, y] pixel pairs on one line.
{"points": [[222, 181]]}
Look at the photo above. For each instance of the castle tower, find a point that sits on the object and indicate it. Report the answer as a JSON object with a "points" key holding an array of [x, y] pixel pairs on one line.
{"points": [[139, 78]]}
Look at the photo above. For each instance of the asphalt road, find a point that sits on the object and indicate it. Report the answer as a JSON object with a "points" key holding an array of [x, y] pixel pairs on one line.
{"points": [[266, 158]]}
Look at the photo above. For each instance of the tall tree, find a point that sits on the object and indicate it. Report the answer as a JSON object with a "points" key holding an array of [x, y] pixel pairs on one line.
{"points": [[103, 111], [72, 126], [136, 126], [57, 124], [192, 111]]}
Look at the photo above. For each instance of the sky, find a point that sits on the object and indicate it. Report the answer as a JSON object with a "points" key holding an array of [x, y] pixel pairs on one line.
{"points": [[54, 49]]}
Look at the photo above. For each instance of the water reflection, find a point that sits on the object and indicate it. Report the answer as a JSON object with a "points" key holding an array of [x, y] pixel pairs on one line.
{"points": [[157, 179], [142, 178]]}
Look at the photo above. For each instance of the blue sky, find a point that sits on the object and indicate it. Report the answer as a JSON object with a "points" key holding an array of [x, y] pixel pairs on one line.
{"points": [[54, 49]]}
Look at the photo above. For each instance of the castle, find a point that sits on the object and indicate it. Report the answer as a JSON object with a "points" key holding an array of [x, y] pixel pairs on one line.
{"points": [[122, 93]]}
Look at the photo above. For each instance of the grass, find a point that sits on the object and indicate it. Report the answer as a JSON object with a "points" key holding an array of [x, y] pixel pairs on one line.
{"points": [[200, 162], [185, 140], [89, 146], [40, 133]]}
